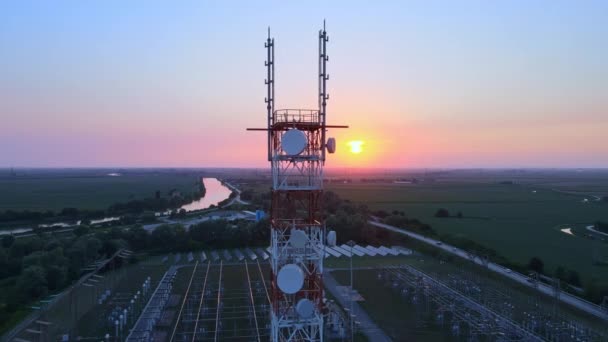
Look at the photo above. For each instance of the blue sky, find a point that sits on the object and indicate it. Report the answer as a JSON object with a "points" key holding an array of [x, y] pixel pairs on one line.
{"points": [[423, 83]]}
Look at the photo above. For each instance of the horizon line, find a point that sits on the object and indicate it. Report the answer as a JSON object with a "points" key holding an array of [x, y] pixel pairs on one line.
{"points": [[327, 167]]}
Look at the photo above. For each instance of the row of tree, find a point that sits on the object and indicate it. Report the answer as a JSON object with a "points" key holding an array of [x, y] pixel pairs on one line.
{"points": [[150, 204], [32, 267], [443, 213], [35, 216], [601, 226]]}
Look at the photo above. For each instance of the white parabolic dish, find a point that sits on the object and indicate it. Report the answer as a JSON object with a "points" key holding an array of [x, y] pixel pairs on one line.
{"points": [[298, 238], [290, 278], [331, 145], [331, 238], [293, 142], [305, 308]]}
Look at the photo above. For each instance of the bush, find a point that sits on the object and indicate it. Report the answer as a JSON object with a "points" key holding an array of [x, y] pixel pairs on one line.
{"points": [[411, 224], [7, 241], [442, 213], [32, 282], [596, 291], [573, 278], [536, 264], [380, 213], [601, 226], [81, 230]]}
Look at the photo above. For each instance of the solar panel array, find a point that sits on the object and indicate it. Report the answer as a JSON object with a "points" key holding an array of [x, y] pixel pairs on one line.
{"points": [[354, 250], [250, 254]]}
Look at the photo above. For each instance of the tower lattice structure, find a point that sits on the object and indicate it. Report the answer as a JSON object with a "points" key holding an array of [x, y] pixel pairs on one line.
{"points": [[296, 222]]}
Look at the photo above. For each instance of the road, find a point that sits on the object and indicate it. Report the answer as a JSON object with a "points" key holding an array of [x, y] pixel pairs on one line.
{"points": [[195, 220], [366, 326], [237, 198], [187, 222], [564, 297], [576, 193], [591, 228]]}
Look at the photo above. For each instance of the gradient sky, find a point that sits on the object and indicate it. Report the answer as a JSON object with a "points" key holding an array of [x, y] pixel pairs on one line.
{"points": [[424, 84]]}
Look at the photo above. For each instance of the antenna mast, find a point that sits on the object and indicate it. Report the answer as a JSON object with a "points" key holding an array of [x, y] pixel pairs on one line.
{"points": [[269, 85], [296, 150], [323, 77]]}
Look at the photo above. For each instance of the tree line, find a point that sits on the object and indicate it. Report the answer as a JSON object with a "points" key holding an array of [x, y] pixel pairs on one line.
{"points": [[33, 267], [601, 226], [139, 206]]}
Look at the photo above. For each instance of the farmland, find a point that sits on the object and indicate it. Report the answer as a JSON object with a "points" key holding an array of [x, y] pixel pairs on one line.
{"points": [[87, 189], [519, 220]]}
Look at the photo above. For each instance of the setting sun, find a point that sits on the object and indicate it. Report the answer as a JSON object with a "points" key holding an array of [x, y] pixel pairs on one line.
{"points": [[356, 146]]}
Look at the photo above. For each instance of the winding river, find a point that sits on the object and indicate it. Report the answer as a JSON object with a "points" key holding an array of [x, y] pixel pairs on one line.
{"points": [[215, 192]]}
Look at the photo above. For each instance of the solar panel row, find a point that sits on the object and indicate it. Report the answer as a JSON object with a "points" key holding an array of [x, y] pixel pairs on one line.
{"points": [[334, 251]]}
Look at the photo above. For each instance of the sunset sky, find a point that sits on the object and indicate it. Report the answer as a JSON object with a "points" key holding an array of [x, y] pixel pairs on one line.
{"points": [[421, 83]]}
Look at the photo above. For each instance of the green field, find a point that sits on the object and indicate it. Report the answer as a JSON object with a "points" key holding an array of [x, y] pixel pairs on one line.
{"points": [[510, 218], [54, 190]]}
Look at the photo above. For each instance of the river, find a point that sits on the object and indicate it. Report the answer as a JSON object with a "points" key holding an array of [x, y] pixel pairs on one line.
{"points": [[215, 192]]}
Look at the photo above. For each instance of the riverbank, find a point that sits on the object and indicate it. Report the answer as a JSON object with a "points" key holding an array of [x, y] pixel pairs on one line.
{"points": [[214, 193]]}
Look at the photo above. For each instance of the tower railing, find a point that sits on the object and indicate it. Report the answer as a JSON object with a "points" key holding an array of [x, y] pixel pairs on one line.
{"points": [[310, 116]]}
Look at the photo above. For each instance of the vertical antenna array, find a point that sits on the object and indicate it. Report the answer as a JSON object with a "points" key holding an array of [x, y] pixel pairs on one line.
{"points": [[323, 77], [269, 86]]}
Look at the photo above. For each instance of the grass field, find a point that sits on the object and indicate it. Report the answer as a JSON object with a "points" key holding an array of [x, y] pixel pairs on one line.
{"points": [[40, 190], [518, 221]]}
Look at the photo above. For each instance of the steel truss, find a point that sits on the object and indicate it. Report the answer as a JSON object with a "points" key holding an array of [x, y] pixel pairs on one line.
{"points": [[297, 190]]}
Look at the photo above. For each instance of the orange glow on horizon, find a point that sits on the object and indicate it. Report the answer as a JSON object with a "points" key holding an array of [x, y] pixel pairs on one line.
{"points": [[355, 151]]}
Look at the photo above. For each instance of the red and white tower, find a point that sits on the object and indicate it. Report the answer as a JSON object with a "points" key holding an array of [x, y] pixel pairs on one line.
{"points": [[297, 147]]}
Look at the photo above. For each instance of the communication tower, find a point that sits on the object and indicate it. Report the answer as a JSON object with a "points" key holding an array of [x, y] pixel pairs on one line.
{"points": [[297, 148]]}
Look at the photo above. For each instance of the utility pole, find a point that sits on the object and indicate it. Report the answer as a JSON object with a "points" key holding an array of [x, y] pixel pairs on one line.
{"points": [[351, 243]]}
